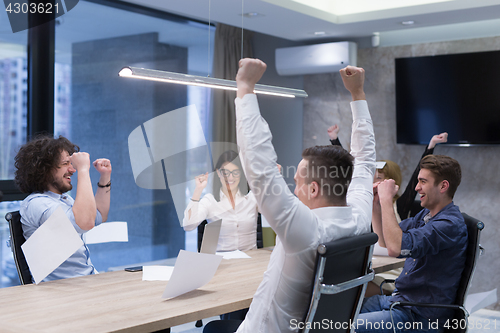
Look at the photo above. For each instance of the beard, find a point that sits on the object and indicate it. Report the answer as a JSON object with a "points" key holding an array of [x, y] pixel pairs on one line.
{"points": [[61, 186]]}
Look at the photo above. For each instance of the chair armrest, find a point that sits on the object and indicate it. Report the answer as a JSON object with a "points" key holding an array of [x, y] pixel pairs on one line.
{"points": [[430, 305], [330, 289], [383, 282], [427, 305]]}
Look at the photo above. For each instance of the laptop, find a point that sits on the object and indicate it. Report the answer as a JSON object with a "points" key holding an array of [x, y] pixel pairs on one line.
{"points": [[210, 237]]}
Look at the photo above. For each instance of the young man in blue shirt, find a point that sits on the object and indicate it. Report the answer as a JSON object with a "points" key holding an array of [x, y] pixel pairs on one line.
{"points": [[434, 243], [44, 169]]}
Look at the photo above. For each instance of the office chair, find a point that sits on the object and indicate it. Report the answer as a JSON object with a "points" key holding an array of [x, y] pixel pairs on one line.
{"points": [[16, 240], [343, 268], [415, 208], [474, 249], [260, 240]]}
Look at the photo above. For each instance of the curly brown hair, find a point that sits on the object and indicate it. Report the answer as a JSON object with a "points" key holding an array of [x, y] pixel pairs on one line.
{"points": [[36, 160]]}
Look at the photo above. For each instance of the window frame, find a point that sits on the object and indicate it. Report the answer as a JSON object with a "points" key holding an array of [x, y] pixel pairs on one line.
{"points": [[41, 91]]}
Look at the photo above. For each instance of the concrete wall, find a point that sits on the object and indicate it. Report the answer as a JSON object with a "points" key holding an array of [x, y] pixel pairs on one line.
{"points": [[284, 115]]}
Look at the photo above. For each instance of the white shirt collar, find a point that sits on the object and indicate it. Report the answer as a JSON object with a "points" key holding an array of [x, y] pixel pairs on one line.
{"points": [[223, 196]]}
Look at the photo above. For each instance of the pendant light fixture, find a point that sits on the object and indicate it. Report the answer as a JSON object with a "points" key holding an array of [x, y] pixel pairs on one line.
{"points": [[209, 82], [194, 80]]}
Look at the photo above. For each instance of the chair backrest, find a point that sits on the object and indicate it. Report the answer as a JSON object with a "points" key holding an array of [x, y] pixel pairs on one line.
{"points": [[415, 208], [16, 240], [474, 227], [343, 268], [260, 238]]}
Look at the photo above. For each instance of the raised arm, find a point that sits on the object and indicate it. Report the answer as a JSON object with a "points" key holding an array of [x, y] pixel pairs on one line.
{"points": [[392, 233], [333, 134], [103, 194], [405, 201], [377, 216], [84, 208], [360, 192], [196, 212], [284, 212]]}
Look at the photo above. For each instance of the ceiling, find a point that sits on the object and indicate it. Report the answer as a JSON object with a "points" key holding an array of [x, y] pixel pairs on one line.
{"points": [[321, 20]]}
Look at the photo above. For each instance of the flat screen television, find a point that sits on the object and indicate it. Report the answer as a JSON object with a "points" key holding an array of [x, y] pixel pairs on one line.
{"points": [[454, 93]]}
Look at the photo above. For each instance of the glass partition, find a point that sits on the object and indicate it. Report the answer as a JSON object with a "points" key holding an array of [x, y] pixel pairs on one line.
{"points": [[13, 122], [98, 111]]}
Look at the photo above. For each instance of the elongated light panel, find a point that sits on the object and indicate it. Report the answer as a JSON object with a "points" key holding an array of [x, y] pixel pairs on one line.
{"points": [[193, 80]]}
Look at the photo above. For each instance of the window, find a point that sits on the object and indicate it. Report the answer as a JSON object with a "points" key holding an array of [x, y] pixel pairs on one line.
{"points": [[13, 110], [98, 110]]}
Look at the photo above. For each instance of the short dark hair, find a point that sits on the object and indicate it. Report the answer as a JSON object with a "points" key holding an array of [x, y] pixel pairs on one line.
{"points": [[443, 168], [36, 160], [331, 167]]}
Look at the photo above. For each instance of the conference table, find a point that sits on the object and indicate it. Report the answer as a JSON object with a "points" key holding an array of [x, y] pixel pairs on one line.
{"points": [[121, 302]]}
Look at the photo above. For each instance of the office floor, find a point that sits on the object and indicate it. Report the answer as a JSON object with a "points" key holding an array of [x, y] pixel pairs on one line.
{"points": [[190, 328], [481, 321]]}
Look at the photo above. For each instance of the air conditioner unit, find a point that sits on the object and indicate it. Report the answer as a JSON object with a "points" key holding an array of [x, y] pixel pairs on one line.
{"points": [[315, 59]]}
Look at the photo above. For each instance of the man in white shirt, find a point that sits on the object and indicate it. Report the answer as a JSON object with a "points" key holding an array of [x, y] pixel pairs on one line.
{"points": [[333, 200]]}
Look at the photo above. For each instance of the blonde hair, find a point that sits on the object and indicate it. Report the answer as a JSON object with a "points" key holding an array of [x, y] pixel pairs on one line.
{"points": [[391, 170]]}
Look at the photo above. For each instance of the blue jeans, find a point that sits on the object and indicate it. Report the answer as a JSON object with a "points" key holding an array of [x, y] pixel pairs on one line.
{"points": [[375, 317]]}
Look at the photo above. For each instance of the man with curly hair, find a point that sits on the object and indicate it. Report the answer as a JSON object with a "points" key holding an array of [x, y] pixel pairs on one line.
{"points": [[44, 169]]}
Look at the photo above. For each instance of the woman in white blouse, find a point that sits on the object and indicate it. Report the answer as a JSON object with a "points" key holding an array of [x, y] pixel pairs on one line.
{"points": [[237, 210]]}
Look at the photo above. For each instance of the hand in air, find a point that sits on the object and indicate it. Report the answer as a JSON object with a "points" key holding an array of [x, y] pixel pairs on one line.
{"points": [[80, 161], [438, 138], [249, 73], [103, 166], [354, 79], [333, 132], [201, 181]]}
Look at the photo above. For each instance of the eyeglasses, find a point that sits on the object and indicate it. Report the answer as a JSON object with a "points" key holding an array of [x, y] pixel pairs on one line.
{"points": [[225, 173]]}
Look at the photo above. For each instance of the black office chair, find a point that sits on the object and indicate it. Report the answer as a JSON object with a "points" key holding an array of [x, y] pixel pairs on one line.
{"points": [[343, 268], [16, 240], [260, 240], [474, 249], [415, 208]]}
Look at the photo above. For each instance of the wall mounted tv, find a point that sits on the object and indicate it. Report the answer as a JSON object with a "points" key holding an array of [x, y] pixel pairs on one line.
{"points": [[454, 93]]}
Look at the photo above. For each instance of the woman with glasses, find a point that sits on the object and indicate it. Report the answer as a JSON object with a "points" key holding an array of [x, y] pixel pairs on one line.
{"points": [[228, 202]]}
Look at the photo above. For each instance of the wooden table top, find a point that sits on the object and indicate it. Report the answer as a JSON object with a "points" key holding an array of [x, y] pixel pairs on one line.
{"points": [[382, 264], [121, 302]]}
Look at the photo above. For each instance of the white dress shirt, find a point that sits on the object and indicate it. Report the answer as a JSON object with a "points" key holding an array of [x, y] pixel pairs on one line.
{"points": [[285, 290], [239, 225]]}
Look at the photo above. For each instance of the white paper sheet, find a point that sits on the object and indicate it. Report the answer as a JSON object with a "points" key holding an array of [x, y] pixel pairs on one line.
{"points": [[380, 251], [478, 301], [192, 270], [233, 255], [211, 237], [157, 273], [50, 245], [107, 232]]}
